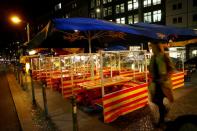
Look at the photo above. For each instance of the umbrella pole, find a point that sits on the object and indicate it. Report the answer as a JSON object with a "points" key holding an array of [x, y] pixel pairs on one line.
{"points": [[89, 41], [101, 74]]}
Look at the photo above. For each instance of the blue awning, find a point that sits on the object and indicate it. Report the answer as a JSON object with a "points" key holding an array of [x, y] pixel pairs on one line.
{"points": [[90, 24], [169, 30]]}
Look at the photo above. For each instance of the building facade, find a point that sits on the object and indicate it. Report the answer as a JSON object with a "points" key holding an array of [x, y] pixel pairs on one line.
{"points": [[128, 11], [183, 13], [179, 13]]}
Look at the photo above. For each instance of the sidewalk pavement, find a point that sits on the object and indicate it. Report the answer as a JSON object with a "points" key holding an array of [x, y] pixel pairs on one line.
{"points": [[23, 107], [60, 111]]}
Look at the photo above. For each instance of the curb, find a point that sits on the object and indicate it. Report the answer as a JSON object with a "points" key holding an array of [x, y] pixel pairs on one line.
{"points": [[23, 112]]}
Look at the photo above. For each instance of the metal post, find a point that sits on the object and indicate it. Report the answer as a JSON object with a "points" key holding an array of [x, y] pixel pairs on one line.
{"points": [[44, 98], [28, 32], [18, 74], [32, 89], [21, 79], [74, 114]]}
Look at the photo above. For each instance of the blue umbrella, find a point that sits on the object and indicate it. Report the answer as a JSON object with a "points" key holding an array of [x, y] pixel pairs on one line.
{"points": [[71, 28], [90, 24], [169, 31]]}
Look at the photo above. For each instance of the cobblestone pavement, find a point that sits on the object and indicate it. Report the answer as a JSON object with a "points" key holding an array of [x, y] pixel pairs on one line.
{"points": [[37, 121]]}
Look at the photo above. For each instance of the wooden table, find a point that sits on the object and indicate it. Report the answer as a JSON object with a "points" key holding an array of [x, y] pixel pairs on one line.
{"points": [[106, 82]]}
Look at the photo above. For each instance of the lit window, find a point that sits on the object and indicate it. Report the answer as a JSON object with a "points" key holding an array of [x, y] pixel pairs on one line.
{"points": [[147, 3], [122, 8], [122, 20], [157, 16], [135, 4], [109, 10], [147, 17], [58, 6], [109, 1], [156, 2], [194, 52], [130, 19], [136, 18], [74, 5], [98, 2], [117, 9], [130, 5], [104, 12], [92, 3], [118, 20], [104, 1]]}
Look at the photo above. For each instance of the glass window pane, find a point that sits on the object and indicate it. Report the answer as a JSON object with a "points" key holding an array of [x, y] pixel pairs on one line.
{"points": [[122, 8], [130, 19], [136, 18], [122, 20], [117, 9], [92, 3], [135, 4], [98, 2], [110, 10], [130, 5], [92, 14], [105, 12], [157, 16], [109, 1], [118, 20], [147, 3], [147, 17], [156, 2]]}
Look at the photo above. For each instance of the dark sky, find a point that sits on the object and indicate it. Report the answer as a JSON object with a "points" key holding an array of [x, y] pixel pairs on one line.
{"points": [[28, 10]]}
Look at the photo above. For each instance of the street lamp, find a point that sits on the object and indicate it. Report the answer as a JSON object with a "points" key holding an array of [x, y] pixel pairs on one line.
{"points": [[16, 20]]}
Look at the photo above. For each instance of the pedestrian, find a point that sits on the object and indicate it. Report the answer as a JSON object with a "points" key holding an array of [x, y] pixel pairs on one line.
{"points": [[160, 69]]}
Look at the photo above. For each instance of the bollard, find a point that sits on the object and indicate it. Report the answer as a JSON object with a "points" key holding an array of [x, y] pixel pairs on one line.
{"points": [[32, 89], [15, 73], [44, 98], [18, 75], [21, 79], [74, 113]]}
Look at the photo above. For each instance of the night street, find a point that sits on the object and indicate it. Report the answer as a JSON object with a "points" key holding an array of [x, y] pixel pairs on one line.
{"points": [[98, 65]]}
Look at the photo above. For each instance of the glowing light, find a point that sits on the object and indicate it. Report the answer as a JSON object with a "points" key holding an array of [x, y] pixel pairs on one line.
{"points": [[98, 10], [16, 19], [27, 67], [32, 52]]}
